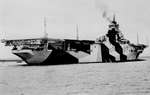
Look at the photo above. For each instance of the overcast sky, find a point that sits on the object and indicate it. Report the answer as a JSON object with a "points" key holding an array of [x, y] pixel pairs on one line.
{"points": [[24, 18]]}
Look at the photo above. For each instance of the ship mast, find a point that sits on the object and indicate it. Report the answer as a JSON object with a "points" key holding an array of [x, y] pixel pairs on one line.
{"points": [[45, 28], [147, 41], [114, 18], [3, 37], [137, 38], [77, 32]]}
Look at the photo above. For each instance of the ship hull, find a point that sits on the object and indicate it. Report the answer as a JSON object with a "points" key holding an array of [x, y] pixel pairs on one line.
{"points": [[99, 53], [129, 57], [45, 57], [32, 57]]}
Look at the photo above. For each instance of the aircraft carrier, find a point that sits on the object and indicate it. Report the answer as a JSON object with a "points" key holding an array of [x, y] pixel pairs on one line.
{"points": [[111, 47]]}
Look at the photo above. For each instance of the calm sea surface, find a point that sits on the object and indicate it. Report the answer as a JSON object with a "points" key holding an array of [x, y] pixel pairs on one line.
{"points": [[127, 78]]}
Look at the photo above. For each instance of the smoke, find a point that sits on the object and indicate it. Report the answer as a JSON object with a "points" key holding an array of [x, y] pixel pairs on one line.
{"points": [[101, 6], [103, 9], [105, 15]]}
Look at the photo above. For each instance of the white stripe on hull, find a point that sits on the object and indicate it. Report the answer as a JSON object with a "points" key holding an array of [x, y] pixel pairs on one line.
{"points": [[78, 54], [129, 55], [132, 56]]}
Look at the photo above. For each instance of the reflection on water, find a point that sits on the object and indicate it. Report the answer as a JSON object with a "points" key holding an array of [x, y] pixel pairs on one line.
{"points": [[129, 78]]}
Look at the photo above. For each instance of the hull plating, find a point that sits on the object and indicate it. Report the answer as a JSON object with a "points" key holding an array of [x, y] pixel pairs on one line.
{"points": [[32, 57], [99, 53]]}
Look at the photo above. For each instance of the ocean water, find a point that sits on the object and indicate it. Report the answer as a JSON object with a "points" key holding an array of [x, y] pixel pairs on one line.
{"points": [[126, 78]]}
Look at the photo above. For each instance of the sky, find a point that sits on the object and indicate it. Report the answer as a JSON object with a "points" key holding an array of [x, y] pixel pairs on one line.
{"points": [[24, 19]]}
